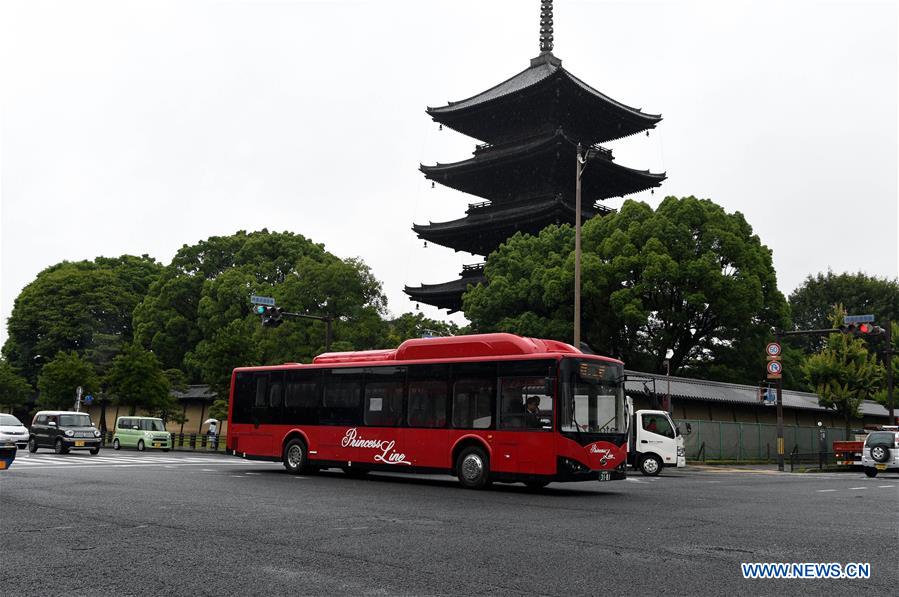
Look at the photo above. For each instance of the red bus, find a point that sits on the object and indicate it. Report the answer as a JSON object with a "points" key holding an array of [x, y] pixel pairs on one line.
{"points": [[489, 407]]}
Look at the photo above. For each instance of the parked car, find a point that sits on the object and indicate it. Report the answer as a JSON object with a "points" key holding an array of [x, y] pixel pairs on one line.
{"points": [[63, 431], [141, 433], [12, 431], [881, 452]]}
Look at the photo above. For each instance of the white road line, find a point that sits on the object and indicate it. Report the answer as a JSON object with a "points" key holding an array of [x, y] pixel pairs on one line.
{"points": [[851, 488], [825, 490], [885, 486]]}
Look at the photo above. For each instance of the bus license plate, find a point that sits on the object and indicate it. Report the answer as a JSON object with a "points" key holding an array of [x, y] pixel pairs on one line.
{"points": [[79, 444], [881, 467], [605, 476]]}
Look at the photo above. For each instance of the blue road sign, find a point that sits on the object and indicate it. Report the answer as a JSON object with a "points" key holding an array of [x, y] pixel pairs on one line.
{"points": [[262, 300], [88, 399], [858, 319]]}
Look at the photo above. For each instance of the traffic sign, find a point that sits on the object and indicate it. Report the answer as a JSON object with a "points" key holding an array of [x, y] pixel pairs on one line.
{"points": [[858, 319], [775, 369], [88, 399], [262, 300], [773, 349]]}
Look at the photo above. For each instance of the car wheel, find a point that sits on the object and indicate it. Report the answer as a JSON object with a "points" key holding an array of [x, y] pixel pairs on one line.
{"points": [[536, 485], [32, 445], [880, 454], [140, 445], [294, 456], [95, 451], [59, 448], [116, 445], [473, 468], [870, 472], [650, 465]]}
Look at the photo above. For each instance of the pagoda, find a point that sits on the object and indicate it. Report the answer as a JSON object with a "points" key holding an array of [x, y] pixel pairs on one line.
{"points": [[523, 173]]}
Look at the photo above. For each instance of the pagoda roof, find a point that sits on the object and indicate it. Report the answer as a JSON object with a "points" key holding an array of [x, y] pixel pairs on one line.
{"points": [[487, 226], [540, 165], [544, 91], [448, 295]]}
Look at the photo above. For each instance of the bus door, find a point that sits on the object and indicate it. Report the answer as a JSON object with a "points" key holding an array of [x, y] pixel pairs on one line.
{"points": [[268, 395], [427, 436], [525, 441]]}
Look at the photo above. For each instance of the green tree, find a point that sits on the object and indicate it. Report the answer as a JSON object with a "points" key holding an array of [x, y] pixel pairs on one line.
{"points": [[136, 380], [843, 374], [85, 306], [60, 378], [688, 277], [812, 303], [415, 325], [14, 389]]}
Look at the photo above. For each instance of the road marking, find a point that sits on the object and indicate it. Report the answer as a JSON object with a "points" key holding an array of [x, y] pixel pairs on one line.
{"points": [[851, 488], [825, 490], [885, 486]]}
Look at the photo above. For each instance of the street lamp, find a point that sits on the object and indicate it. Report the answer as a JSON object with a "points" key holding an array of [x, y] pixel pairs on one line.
{"points": [[580, 165], [668, 355]]}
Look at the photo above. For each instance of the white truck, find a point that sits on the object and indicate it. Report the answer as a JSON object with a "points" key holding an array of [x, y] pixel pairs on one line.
{"points": [[654, 441]]}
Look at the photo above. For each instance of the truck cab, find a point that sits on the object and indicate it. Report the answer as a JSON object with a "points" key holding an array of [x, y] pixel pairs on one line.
{"points": [[654, 442]]}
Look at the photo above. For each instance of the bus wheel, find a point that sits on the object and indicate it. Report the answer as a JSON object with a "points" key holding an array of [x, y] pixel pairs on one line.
{"points": [[294, 456], [536, 485], [650, 465], [473, 468]]}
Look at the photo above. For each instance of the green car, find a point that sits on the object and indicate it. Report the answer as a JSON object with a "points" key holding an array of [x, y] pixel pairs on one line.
{"points": [[141, 433]]}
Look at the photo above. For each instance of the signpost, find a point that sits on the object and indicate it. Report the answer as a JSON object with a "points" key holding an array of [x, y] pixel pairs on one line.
{"points": [[78, 392]]}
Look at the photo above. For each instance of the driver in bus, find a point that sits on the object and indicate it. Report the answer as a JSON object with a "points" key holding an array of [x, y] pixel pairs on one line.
{"points": [[532, 414]]}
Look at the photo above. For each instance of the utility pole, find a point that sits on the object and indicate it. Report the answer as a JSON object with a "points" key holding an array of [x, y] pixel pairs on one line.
{"points": [[778, 335], [888, 361], [580, 164]]}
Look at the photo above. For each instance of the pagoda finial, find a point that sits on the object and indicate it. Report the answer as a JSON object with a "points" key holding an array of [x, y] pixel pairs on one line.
{"points": [[546, 25]]}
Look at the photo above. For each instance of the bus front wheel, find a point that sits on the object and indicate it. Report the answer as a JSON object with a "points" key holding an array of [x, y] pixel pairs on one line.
{"points": [[473, 468], [294, 457]]}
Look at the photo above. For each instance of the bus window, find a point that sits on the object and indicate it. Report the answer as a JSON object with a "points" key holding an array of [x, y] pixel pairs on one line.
{"points": [[427, 404], [342, 398], [384, 396], [301, 398], [244, 396], [524, 403], [473, 403]]}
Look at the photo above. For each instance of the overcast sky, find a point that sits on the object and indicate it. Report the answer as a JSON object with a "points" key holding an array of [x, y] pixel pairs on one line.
{"points": [[138, 127]]}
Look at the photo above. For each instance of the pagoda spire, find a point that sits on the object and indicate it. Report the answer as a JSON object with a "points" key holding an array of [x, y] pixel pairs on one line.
{"points": [[546, 26]]}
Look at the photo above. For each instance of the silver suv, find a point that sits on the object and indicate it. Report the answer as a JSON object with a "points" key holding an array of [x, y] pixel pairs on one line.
{"points": [[881, 452]]}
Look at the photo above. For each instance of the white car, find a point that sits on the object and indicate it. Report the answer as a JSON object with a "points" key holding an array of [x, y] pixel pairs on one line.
{"points": [[12, 430], [881, 452]]}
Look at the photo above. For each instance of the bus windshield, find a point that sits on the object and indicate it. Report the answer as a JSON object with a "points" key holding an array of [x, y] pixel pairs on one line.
{"points": [[593, 394]]}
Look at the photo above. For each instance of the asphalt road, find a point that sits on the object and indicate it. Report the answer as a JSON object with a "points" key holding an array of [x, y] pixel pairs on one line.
{"points": [[128, 523]]}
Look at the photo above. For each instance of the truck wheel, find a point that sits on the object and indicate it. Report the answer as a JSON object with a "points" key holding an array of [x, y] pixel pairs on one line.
{"points": [[473, 468], [870, 472], [32, 444], [880, 453], [650, 465]]}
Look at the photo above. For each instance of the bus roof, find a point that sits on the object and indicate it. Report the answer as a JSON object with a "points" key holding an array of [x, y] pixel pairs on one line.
{"points": [[453, 347]]}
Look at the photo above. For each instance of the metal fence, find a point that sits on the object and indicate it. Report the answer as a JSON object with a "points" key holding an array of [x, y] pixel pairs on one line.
{"points": [[750, 442]]}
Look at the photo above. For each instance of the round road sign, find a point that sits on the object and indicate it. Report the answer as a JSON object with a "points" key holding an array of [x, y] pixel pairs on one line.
{"points": [[773, 349], [774, 367]]}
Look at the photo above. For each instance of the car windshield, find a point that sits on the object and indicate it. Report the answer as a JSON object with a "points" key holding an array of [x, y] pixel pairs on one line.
{"points": [[593, 397], [74, 421], [152, 425], [10, 421]]}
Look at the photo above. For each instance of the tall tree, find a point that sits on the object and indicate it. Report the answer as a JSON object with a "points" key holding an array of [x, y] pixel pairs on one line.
{"points": [[687, 277], [812, 303], [60, 378], [136, 380], [14, 389], [85, 306]]}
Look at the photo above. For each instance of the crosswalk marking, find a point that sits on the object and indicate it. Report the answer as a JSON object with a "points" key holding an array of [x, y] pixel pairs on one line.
{"points": [[46, 461]]}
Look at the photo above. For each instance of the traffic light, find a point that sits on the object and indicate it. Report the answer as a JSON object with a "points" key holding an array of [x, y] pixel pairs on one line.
{"points": [[864, 330], [272, 317]]}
